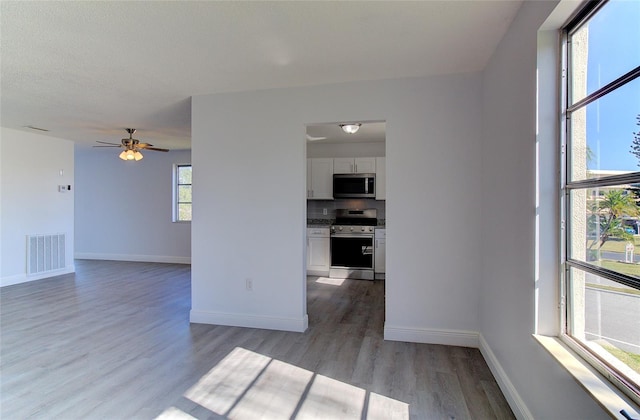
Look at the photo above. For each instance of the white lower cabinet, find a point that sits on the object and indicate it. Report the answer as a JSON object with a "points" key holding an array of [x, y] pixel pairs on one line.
{"points": [[380, 246], [318, 257]]}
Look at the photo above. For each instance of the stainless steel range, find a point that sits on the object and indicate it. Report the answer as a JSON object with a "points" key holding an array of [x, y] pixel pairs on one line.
{"points": [[352, 237]]}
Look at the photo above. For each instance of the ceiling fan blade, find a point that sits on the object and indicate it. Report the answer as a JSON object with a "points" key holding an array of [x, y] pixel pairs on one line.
{"points": [[132, 144], [311, 138]]}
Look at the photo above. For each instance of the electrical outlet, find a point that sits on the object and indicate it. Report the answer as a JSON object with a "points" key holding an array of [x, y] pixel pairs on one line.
{"points": [[249, 284], [324, 212]]}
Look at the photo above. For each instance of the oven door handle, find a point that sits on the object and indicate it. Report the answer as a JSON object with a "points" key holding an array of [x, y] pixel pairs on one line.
{"points": [[351, 235]]}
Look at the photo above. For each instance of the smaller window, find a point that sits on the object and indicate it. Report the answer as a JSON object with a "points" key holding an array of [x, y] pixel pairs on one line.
{"points": [[182, 193]]}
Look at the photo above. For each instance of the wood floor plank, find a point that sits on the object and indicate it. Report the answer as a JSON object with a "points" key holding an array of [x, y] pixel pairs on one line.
{"points": [[113, 341]]}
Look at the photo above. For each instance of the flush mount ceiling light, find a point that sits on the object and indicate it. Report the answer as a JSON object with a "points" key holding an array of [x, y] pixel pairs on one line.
{"points": [[350, 128]]}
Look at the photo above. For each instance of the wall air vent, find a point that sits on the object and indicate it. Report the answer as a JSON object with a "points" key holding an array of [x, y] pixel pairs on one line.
{"points": [[35, 128], [45, 253]]}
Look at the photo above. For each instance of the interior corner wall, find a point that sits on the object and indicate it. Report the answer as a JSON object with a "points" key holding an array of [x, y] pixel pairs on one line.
{"points": [[535, 384], [30, 166], [249, 209], [124, 208]]}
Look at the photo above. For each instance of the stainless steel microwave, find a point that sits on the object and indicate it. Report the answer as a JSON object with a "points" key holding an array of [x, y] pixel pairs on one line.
{"points": [[354, 185]]}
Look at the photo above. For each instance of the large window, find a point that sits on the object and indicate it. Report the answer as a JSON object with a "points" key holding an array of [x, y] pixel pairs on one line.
{"points": [[601, 189], [182, 193]]}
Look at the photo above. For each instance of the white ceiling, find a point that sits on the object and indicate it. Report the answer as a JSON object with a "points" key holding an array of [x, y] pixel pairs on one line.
{"points": [[85, 70]]}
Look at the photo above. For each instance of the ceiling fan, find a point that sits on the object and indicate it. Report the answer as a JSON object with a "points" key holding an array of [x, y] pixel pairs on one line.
{"points": [[131, 147], [311, 138]]}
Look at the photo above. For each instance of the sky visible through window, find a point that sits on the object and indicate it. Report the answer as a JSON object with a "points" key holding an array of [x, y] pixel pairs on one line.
{"points": [[614, 49]]}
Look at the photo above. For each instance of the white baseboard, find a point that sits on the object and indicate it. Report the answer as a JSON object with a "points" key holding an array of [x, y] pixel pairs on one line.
{"points": [[516, 403], [24, 278], [320, 273], [432, 336], [134, 258], [250, 321]]}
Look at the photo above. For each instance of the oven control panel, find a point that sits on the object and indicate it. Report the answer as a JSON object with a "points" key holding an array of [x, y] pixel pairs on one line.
{"points": [[352, 229]]}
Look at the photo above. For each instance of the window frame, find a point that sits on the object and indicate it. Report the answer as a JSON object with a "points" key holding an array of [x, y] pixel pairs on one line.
{"points": [[597, 361], [175, 196]]}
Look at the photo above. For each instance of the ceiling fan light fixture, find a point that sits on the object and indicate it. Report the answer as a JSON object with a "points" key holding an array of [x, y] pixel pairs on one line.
{"points": [[131, 147], [350, 128]]}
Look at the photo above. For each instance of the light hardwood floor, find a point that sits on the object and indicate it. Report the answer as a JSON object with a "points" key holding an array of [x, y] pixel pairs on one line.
{"points": [[113, 341]]}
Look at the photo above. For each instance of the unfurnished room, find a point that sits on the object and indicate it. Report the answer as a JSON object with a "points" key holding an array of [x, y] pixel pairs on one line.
{"points": [[320, 209]]}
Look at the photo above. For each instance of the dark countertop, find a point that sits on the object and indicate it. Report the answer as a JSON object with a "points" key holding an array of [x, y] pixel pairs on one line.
{"points": [[319, 222]]}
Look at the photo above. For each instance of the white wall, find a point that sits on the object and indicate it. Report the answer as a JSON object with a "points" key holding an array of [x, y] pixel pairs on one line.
{"points": [[541, 388], [249, 214], [30, 166], [363, 149], [124, 209], [460, 153]]}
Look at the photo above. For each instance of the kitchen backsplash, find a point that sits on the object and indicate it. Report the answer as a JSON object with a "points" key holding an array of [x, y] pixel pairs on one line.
{"points": [[315, 207]]}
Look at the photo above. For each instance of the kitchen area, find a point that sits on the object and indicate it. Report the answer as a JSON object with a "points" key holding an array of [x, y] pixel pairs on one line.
{"points": [[346, 171]]}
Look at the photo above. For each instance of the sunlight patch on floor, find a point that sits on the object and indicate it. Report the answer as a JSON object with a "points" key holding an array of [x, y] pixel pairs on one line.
{"points": [[248, 385], [385, 408], [330, 281], [332, 399], [174, 413], [224, 385], [275, 394]]}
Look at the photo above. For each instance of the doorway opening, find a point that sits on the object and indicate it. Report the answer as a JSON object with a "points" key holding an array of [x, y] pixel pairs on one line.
{"points": [[346, 219]]}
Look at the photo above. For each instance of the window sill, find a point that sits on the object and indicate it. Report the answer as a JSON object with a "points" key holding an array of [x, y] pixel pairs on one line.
{"points": [[603, 392]]}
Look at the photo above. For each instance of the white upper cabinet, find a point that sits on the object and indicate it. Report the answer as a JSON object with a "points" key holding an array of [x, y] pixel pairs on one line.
{"points": [[365, 165], [320, 179], [354, 165], [343, 165], [381, 175]]}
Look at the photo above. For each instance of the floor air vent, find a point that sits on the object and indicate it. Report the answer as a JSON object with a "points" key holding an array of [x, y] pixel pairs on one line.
{"points": [[45, 253]]}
